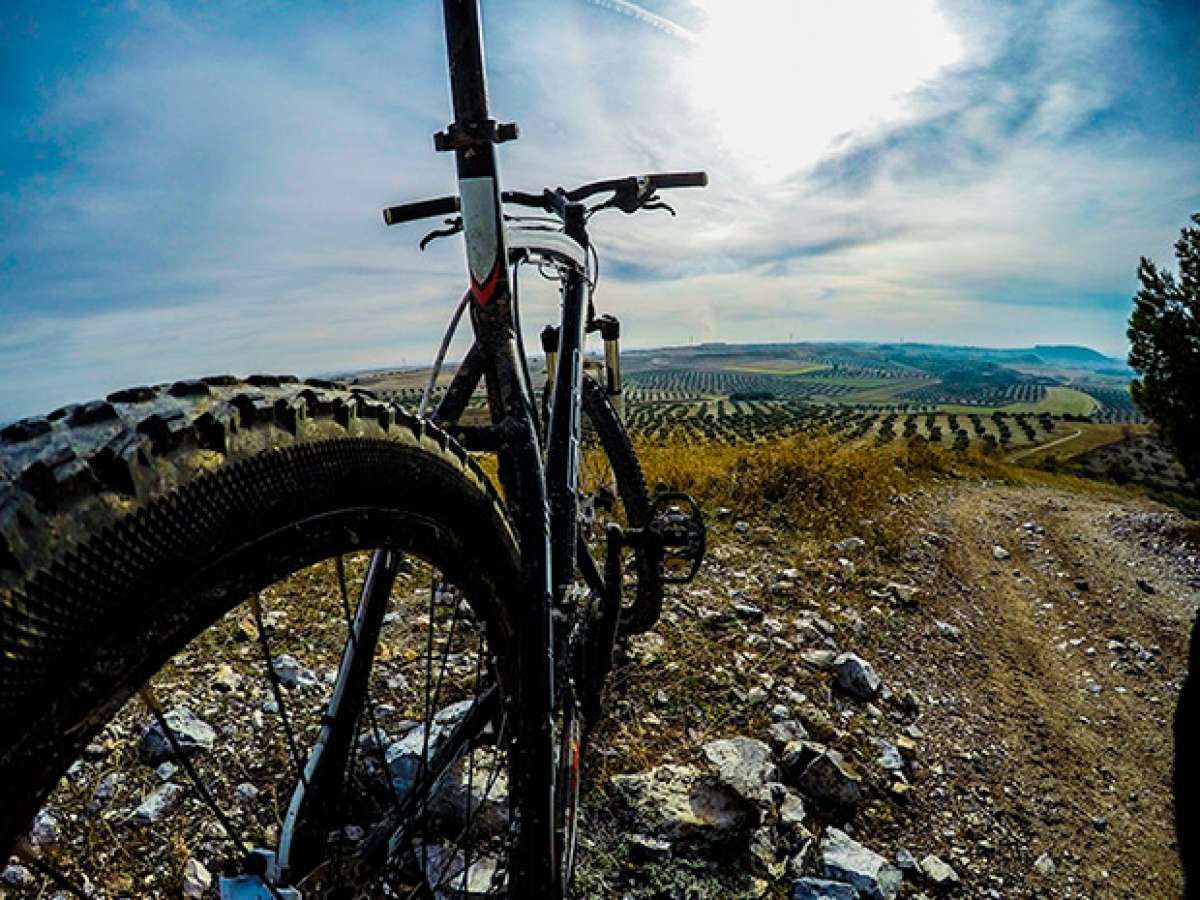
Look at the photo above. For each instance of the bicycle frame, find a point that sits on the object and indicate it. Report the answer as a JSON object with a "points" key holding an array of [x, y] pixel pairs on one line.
{"points": [[543, 498]]}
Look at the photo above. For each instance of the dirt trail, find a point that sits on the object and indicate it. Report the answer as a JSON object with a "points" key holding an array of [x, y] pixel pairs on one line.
{"points": [[1021, 454], [1049, 717]]}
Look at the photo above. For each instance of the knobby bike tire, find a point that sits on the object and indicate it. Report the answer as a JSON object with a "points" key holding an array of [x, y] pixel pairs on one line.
{"points": [[643, 612], [129, 525]]}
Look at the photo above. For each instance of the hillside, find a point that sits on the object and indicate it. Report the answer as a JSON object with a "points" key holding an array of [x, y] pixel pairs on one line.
{"points": [[914, 670], [1029, 641]]}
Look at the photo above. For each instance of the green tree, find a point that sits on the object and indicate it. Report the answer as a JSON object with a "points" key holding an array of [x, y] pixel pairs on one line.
{"points": [[1164, 336]]}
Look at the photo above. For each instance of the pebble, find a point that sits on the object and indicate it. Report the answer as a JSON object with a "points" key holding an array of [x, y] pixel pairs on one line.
{"points": [[17, 876], [191, 733], [939, 873], [999, 553], [1044, 866], [856, 677], [161, 801], [745, 766], [822, 889], [291, 674], [196, 879], [827, 779], [844, 859]]}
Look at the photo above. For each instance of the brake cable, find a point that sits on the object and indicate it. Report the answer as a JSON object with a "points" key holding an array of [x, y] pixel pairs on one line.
{"points": [[441, 355]]}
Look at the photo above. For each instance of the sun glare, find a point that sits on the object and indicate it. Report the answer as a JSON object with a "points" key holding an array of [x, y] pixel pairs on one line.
{"points": [[781, 79]]}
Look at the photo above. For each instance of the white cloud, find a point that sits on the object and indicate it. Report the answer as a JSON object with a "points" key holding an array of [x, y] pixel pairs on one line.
{"points": [[219, 207]]}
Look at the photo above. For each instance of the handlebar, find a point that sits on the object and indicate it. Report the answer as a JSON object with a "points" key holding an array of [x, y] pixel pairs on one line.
{"points": [[646, 184], [634, 187]]}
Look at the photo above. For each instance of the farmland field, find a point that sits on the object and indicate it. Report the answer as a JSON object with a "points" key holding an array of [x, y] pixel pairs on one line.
{"points": [[952, 396], [956, 398]]}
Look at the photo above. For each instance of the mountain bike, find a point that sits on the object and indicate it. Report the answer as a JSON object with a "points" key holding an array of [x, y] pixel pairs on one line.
{"points": [[498, 564]]}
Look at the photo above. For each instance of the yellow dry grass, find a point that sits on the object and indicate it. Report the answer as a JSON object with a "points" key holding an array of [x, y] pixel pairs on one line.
{"points": [[814, 482]]}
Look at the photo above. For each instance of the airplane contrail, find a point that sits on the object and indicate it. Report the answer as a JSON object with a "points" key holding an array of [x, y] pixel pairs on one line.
{"points": [[643, 15]]}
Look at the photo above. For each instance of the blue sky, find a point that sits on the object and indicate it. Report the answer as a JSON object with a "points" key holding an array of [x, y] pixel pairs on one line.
{"points": [[189, 188]]}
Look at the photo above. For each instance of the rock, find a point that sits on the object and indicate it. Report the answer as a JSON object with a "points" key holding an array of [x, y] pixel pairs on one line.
{"points": [[196, 879], [844, 859], [291, 674], [45, 831], [647, 849], [723, 512], [226, 680], [856, 677], [157, 804], [939, 873], [192, 734], [404, 757], [823, 889], [676, 802], [906, 862], [105, 790], [748, 612], [166, 771], [999, 553], [1044, 866], [948, 631], [889, 756], [744, 765], [784, 732], [246, 792], [741, 527], [796, 755], [818, 659], [17, 876], [475, 791], [791, 811], [827, 779]]}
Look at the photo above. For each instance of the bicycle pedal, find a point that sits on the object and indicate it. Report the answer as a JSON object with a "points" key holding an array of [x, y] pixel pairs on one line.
{"points": [[678, 529]]}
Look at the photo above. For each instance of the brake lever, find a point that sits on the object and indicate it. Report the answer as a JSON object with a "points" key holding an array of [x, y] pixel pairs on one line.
{"points": [[456, 225], [659, 204]]}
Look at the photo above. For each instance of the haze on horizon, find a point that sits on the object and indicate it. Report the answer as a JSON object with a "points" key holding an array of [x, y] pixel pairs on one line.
{"points": [[188, 189]]}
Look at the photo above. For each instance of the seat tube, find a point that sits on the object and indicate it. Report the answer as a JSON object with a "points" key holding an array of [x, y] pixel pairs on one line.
{"points": [[533, 869]]}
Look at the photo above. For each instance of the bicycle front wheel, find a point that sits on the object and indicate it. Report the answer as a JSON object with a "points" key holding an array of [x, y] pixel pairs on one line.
{"points": [[144, 536]]}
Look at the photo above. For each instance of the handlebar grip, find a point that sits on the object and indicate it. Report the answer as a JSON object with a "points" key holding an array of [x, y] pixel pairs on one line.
{"points": [[422, 209], [679, 179]]}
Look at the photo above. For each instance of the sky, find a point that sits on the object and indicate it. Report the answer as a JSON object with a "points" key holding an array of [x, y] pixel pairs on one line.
{"points": [[191, 188]]}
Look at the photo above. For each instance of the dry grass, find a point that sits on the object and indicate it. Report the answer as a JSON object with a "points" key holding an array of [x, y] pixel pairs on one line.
{"points": [[811, 482]]}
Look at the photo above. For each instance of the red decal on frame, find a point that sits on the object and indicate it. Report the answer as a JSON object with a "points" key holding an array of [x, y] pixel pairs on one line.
{"points": [[483, 293]]}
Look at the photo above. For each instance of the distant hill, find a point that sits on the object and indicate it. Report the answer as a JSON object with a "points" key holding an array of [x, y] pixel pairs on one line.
{"points": [[1067, 353]]}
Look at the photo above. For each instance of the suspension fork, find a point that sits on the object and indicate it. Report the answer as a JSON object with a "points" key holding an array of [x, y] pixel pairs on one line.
{"points": [[563, 447]]}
